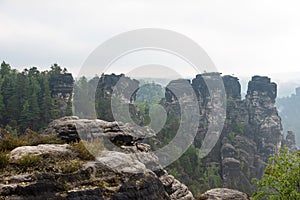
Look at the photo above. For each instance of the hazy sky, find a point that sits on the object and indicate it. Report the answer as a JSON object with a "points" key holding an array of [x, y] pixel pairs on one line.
{"points": [[242, 37]]}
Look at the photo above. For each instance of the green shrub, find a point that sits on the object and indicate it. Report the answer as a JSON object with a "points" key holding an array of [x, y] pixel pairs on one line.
{"points": [[69, 166], [281, 179], [10, 142], [81, 151], [32, 138], [231, 136], [28, 161], [4, 160]]}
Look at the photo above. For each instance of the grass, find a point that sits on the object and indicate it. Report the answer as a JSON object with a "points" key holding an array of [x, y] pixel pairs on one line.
{"points": [[4, 160], [29, 161], [10, 142], [88, 150]]}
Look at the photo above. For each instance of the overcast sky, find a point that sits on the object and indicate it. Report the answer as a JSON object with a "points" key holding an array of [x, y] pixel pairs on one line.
{"points": [[241, 37]]}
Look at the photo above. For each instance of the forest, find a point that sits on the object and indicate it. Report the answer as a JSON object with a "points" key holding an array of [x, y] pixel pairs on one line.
{"points": [[29, 99]]}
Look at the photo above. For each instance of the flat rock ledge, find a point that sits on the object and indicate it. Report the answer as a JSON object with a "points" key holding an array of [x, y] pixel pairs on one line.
{"points": [[223, 194]]}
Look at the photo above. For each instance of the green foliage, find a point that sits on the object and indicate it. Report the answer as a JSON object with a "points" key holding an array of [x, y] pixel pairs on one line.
{"points": [[84, 92], [150, 92], [10, 142], [29, 161], [231, 136], [169, 130], [144, 109], [26, 99], [4, 160], [214, 177], [30, 138], [281, 179], [242, 165], [80, 149], [239, 128], [33, 138], [189, 169], [69, 166], [229, 102]]}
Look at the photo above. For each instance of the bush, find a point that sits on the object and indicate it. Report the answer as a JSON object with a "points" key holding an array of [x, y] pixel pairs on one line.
{"points": [[231, 136], [69, 166], [4, 160], [281, 179], [81, 151], [32, 138], [28, 161], [10, 142]]}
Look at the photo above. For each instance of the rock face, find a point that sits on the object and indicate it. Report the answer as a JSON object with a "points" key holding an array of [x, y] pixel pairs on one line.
{"points": [[19, 152], [117, 175], [61, 86], [120, 89], [71, 129], [252, 131], [223, 194], [290, 141]]}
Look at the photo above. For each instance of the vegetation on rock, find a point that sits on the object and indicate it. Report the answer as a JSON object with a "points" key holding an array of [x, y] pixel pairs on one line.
{"points": [[281, 179]]}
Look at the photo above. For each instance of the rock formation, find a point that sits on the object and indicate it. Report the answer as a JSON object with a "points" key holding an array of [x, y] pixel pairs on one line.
{"points": [[116, 175], [290, 141], [252, 131], [120, 89], [61, 86], [289, 110], [223, 194]]}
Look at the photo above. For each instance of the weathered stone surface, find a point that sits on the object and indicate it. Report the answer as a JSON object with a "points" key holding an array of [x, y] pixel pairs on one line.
{"points": [[60, 149], [113, 175], [223, 194], [232, 87], [290, 141], [252, 131], [72, 129]]}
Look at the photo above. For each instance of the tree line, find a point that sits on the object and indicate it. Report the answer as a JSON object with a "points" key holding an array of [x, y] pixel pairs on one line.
{"points": [[27, 99]]}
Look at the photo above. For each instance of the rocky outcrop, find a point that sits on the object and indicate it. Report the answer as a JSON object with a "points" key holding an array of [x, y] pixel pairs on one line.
{"points": [[94, 180], [253, 128], [60, 172], [120, 89], [223, 194], [290, 141], [61, 84], [251, 134], [289, 110], [61, 87], [252, 131], [41, 149], [72, 129]]}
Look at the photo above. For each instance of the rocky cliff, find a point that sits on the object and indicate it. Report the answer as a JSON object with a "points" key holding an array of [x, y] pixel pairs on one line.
{"points": [[251, 134]]}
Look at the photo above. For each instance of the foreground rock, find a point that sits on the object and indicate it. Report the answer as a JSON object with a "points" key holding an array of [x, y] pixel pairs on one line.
{"points": [[61, 173], [73, 129], [19, 152], [223, 194]]}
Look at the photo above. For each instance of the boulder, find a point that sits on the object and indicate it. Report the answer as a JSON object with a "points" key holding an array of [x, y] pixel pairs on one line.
{"points": [[223, 194], [58, 149], [72, 129]]}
